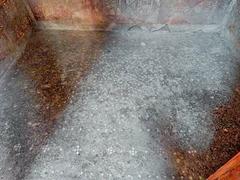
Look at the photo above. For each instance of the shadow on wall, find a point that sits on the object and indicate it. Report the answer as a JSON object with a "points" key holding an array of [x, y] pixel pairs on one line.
{"points": [[38, 101]]}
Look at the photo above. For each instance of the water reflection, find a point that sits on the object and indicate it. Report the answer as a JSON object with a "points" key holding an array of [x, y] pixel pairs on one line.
{"points": [[39, 88]]}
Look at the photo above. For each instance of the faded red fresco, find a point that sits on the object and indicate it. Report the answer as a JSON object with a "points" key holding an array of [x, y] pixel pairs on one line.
{"points": [[82, 11], [14, 25], [97, 11], [15, 21]]}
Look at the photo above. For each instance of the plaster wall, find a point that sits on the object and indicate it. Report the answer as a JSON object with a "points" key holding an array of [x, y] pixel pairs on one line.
{"points": [[155, 11]]}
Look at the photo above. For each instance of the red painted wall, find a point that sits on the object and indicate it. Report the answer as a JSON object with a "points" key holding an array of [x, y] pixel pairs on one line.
{"points": [[172, 11], [79, 11]]}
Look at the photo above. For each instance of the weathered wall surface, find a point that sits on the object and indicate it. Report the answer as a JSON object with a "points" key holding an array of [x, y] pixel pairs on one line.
{"points": [[15, 24], [193, 11], [68, 11], [231, 26], [170, 11]]}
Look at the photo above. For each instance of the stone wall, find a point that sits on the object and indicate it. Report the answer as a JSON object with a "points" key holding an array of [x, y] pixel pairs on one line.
{"points": [[15, 24]]}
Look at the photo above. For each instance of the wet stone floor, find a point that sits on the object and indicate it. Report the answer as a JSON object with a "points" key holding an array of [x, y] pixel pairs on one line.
{"points": [[120, 105]]}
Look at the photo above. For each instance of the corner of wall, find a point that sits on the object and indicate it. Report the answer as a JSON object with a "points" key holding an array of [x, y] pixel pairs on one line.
{"points": [[231, 27], [15, 27]]}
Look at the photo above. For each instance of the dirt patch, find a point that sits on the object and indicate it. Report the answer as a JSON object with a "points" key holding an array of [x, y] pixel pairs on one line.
{"points": [[200, 165]]}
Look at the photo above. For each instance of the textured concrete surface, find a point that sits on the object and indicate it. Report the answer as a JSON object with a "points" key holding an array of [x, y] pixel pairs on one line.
{"points": [[90, 105]]}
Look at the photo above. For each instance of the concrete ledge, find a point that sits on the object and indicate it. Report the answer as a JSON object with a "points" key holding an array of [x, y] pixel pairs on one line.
{"points": [[49, 25]]}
